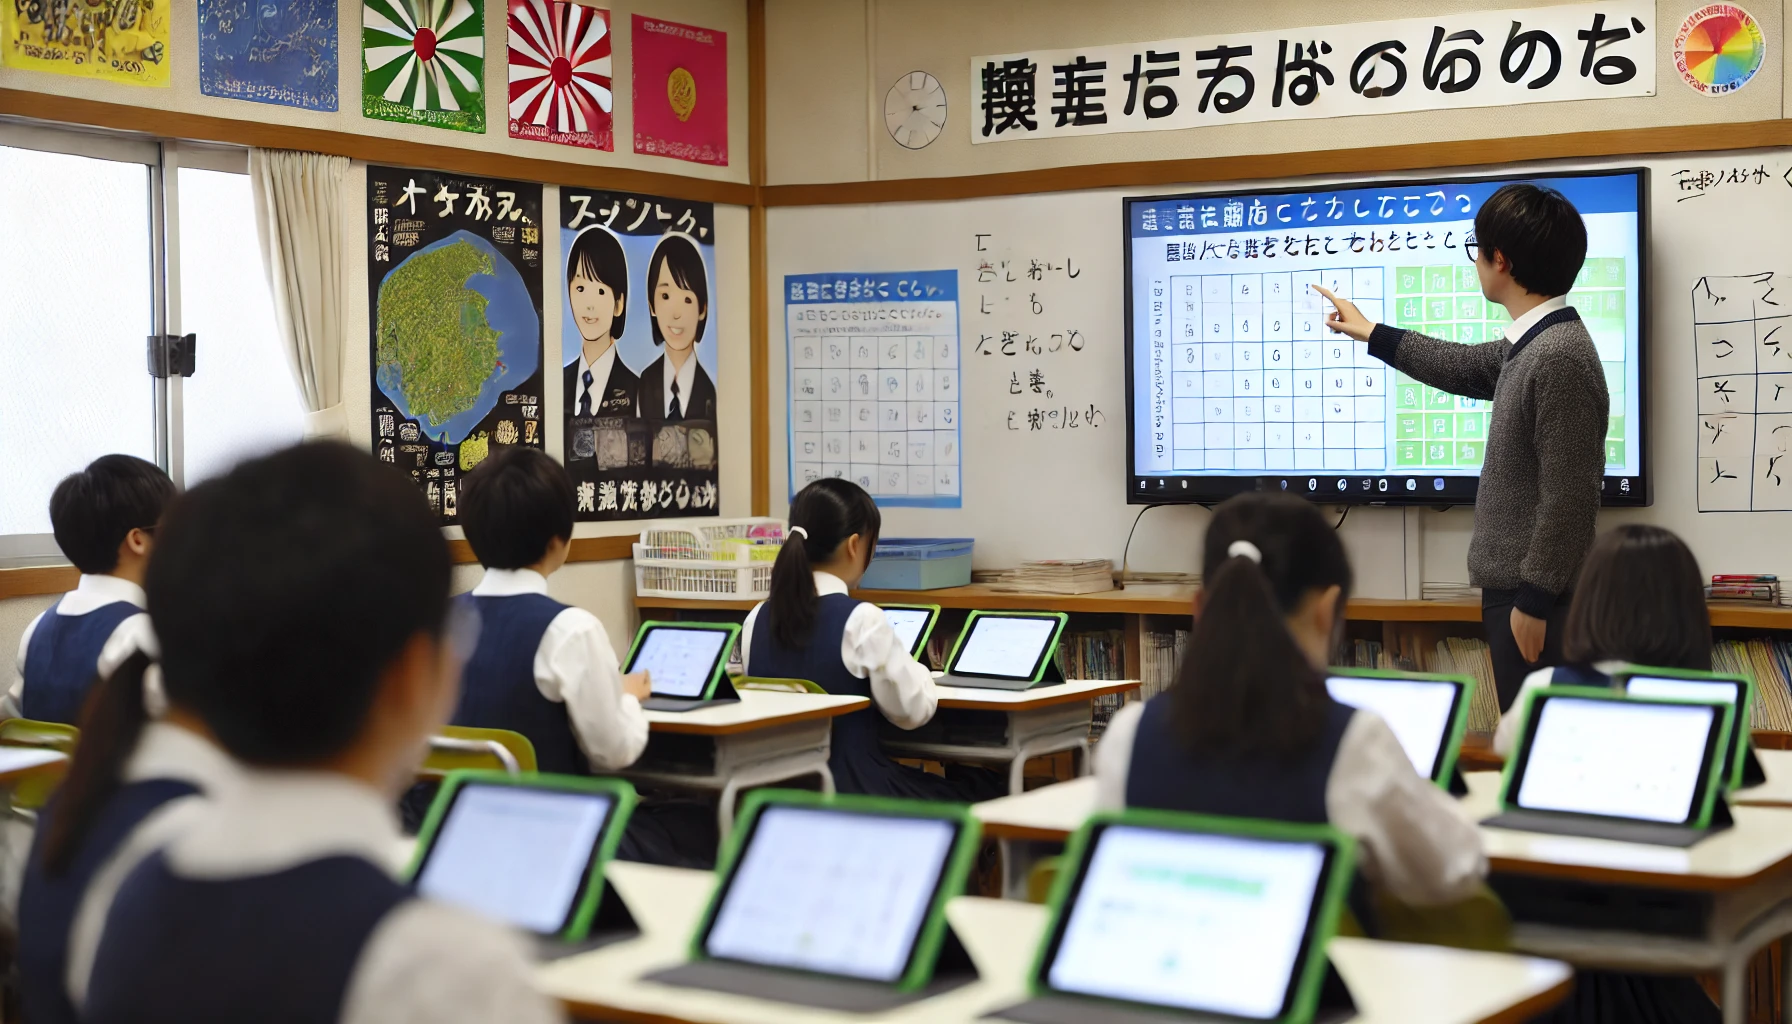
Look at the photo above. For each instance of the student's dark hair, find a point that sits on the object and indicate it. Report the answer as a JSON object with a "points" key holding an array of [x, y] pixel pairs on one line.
{"points": [[1245, 686], [597, 254], [1641, 599], [513, 505], [831, 510], [92, 511], [1538, 231], [679, 255]]}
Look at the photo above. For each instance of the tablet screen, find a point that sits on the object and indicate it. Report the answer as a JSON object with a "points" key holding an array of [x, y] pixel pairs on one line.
{"points": [[1004, 645], [1723, 690], [1197, 922], [1615, 758], [515, 854], [836, 892], [681, 662], [1417, 710], [908, 623]]}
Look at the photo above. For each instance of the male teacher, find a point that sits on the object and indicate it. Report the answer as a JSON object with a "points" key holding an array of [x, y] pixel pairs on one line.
{"points": [[1545, 461]]}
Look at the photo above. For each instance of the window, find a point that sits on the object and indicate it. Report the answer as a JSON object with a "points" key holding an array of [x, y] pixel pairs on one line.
{"points": [[134, 225]]}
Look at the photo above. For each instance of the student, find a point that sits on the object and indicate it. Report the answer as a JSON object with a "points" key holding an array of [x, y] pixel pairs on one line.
{"points": [[675, 387], [1249, 729], [1545, 460], [541, 668], [810, 629], [105, 521], [301, 601], [598, 383]]}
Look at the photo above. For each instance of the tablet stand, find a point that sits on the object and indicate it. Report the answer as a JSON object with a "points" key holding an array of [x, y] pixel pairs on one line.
{"points": [[1752, 772], [613, 923], [1335, 1006], [1648, 833], [724, 693]]}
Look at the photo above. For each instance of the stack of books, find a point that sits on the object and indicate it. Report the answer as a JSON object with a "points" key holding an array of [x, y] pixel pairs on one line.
{"points": [[1162, 656], [1744, 587], [1055, 576], [1096, 654], [1769, 664]]}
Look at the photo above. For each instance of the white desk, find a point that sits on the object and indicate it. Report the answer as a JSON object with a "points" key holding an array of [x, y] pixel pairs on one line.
{"points": [[1040, 721], [1392, 983], [1034, 825], [1777, 790], [767, 737], [1741, 875], [18, 763]]}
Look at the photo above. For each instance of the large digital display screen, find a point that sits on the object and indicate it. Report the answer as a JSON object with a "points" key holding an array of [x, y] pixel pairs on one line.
{"points": [[1234, 383]]}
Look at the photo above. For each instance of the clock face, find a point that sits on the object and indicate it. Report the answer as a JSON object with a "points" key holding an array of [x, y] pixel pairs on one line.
{"points": [[915, 110]]}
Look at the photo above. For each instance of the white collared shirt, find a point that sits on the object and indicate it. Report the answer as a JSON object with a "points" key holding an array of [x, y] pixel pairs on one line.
{"points": [[575, 665], [1515, 330], [1506, 736], [686, 378], [425, 961], [600, 380], [901, 687], [1416, 841], [90, 594]]}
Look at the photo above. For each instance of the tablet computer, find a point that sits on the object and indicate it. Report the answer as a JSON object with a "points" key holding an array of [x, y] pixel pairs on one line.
{"points": [[527, 850], [1738, 691], [1428, 713], [1603, 763], [1215, 918], [687, 663], [913, 624], [1006, 651], [835, 901]]}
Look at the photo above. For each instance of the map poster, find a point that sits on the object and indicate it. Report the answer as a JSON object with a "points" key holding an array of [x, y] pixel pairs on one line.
{"points": [[454, 304], [269, 53], [124, 41], [638, 354], [423, 62]]}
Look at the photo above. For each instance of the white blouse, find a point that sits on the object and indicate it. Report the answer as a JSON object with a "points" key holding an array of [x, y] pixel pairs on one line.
{"points": [[1506, 736], [901, 687], [1415, 841]]}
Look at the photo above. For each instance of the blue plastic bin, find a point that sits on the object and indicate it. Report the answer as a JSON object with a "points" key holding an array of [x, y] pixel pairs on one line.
{"points": [[919, 563]]}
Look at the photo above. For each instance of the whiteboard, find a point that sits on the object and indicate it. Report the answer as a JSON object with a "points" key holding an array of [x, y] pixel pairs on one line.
{"points": [[1058, 491]]}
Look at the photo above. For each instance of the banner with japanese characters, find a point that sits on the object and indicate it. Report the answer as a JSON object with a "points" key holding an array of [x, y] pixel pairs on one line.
{"points": [[1480, 59], [639, 338], [454, 305]]}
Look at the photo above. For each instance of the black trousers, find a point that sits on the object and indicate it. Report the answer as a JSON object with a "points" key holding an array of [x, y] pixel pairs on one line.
{"points": [[1509, 666]]}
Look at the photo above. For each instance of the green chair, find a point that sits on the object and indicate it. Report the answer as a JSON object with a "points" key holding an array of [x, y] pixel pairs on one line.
{"points": [[779, 685], [458, 746], [33, 791]]}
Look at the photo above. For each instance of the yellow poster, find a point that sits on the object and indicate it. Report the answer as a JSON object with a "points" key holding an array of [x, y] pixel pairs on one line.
{"points": [[117, 40]]}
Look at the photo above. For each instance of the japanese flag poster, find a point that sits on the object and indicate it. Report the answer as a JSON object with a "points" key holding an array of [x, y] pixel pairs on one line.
{"points": [[423, 62], [639, 338], [681, 91], [454, 307], [560, 86]]}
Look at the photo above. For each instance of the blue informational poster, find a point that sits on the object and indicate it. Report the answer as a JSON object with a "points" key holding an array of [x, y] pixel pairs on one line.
{"points": [[269, 51]]}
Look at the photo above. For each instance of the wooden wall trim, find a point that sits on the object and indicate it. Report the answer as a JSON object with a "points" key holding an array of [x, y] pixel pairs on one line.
{"points": [[584, 549], [759, 307], [174, 124], [1691, 138], [35, 580]]}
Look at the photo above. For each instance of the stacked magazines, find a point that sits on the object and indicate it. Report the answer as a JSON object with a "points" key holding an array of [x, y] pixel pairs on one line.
{"points": [[1744, 587], [1054, 576]]}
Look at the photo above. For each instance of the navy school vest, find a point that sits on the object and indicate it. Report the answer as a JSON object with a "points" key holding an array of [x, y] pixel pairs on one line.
{"points": [[498, 691], [48, 905], [1578, 675], [62, 659], [279, 948], [855, 757], [1166, 775]]}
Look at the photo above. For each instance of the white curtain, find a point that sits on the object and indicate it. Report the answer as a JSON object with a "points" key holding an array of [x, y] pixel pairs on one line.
{"points": [[298, 218]]}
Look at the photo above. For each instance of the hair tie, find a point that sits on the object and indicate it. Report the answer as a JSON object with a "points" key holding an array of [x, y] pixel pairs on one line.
{"points": [[798, 529], [1246, 549]]}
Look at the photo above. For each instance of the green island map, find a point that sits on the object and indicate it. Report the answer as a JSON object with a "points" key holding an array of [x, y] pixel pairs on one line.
{"points": [[433, 332]]}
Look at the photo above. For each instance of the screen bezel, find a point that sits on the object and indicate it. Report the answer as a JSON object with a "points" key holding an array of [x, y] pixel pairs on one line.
{"points": [[717, 668], [1705, 791], [921, 638], [583, 909], [924, 950], [1736, 753], [1046, 653], [1302, 993], [1449, 748], [1335, 488]]}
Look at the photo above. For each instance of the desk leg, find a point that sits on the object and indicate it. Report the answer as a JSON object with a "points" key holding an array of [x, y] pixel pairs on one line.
{"points": [[1785, 997], [1735, 987]]}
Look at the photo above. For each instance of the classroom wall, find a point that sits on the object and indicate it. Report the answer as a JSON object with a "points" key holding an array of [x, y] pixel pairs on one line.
{"points": [[183, 93], [825, 85]]}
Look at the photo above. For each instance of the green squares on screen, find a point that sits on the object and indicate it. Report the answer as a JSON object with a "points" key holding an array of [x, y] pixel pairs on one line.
{"points": [[1614, 378], [1614, 426], [1436, 400], [1466, 279], [1437, 453], [1439, 425], [1409, 281], [1471, 333], [1409, 312], [1603, 272], [1409, 426], [1409, 453], [1439, 281], [1470, 307], [1471, 425], [1469, 453], [1614, 452], [1440, 308], [1409, 396]]}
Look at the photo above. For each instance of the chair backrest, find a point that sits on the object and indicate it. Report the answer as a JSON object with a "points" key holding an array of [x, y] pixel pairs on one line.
{"points": [[781, 685], [34, 790], [460, 746]]}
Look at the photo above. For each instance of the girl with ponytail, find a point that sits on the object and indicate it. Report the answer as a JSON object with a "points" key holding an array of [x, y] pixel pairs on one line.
{"points": [[811, 629], [1248, 730]]}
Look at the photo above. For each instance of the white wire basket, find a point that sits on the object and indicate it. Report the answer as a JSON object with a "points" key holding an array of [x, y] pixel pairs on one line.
{"points": [[717, 559]]}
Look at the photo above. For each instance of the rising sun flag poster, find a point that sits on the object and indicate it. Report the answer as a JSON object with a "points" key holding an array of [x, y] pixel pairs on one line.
{"points": [[560, 79], [423, 62], [454, 300]]}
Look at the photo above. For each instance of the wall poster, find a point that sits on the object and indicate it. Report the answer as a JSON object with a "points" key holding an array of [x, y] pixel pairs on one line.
{"points": [[269, 53], [423, 62], [123, 41]]}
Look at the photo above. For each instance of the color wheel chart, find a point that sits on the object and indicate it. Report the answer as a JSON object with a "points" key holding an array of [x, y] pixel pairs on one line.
{"points": [[1719, 49]]}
